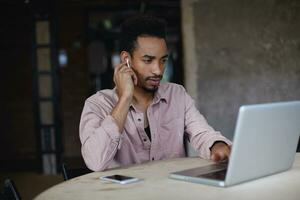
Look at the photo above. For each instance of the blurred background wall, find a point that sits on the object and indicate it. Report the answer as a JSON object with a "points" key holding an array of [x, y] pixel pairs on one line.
{"points": [[240, 52]]}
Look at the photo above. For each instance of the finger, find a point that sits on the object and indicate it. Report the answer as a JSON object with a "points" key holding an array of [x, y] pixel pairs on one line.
{"points": [[117, 71], [124, 68], [223, 157], [215, 157], [220, 156], [226, 155], [120, 66], [117, 68], [227, 152], [133, 75]]}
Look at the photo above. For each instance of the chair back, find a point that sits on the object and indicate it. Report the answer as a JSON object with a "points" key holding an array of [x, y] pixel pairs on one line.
{"points": [[10, 191], [69, 173]]}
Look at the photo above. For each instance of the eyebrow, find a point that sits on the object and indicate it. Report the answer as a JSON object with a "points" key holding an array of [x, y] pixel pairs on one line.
{"points": [[152, 57], [165, 56]]}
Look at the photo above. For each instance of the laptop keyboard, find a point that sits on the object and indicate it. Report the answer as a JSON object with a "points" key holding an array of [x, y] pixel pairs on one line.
{"points": [[215, 171], [215, 167], [218, 175]]}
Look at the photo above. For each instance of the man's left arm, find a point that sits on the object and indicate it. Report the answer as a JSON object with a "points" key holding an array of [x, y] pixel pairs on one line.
{"points": [[209, 143]]}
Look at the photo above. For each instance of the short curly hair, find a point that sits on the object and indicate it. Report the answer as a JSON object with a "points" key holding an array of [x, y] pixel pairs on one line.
{"points": [[137, 26]]}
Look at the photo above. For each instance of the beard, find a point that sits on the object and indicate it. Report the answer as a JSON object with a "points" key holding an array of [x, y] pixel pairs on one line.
{"points": [[142, 82], [150, 90]]}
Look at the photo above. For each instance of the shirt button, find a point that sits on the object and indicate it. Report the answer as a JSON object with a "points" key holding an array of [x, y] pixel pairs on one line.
{"points": [[139, 119], [152, 158], [145, 139]]}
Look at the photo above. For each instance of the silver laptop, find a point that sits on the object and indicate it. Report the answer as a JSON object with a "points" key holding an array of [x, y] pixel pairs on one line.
{"points": [[265, 142]]}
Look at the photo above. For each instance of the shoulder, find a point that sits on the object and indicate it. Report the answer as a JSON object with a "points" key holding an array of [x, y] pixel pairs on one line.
{"points": [[172, 92], [172, 89], [102, 98]]}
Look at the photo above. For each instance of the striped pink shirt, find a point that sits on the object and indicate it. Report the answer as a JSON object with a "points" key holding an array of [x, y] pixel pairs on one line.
{"points": [[171, 115]]}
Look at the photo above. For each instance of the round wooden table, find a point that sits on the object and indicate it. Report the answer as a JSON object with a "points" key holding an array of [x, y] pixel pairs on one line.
{"points": [[155, 184]]}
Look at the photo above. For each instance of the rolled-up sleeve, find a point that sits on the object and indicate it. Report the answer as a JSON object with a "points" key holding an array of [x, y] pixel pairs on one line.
{"points": [[201, 135], [99, 136]]}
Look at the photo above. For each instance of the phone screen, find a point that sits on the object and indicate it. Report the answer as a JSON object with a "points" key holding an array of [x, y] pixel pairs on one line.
{"points": [[119, 177]]}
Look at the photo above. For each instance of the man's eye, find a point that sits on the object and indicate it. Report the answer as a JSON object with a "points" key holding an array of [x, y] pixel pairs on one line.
{"points": [[164, 61], [147, 61]]}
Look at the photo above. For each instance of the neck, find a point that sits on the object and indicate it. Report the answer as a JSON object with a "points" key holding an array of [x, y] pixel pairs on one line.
{"points": [[142, 98]]}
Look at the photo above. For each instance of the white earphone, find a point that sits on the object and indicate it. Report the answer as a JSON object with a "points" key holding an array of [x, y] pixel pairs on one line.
{"points": [[127, 62]]}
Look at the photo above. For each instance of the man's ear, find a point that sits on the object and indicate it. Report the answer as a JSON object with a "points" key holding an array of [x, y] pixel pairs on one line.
{"points": [[125, 55]]}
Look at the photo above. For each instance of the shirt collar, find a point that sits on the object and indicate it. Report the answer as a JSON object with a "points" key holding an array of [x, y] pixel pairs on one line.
{"points": [[158, 96]]}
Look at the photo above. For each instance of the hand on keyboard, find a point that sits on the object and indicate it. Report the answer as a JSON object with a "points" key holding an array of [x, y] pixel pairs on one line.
{"points": [[220, 151]]}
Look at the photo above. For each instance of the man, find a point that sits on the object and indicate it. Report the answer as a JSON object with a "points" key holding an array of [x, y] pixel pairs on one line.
{"points": [[141, 119]]}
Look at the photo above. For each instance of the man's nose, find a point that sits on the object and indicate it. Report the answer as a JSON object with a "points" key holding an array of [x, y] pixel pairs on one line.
{"points": [[157, 68]]}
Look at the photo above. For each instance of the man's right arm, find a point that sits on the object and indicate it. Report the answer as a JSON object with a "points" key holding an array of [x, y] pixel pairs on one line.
{"points": [[100, 136], [100, 130]]}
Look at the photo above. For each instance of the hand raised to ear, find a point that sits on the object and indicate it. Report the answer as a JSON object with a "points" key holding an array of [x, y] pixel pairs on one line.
{"points": [[124, 79]]}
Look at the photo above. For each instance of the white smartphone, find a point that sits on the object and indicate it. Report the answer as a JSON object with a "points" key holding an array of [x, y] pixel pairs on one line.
{"points": [[119, 179]]}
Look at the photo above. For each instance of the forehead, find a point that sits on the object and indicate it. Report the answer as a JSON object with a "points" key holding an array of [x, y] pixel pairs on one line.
{"points": [[152, 46]]}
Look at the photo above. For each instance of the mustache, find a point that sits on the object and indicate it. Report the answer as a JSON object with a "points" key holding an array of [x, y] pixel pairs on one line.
{"points": [[154, 77]]}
